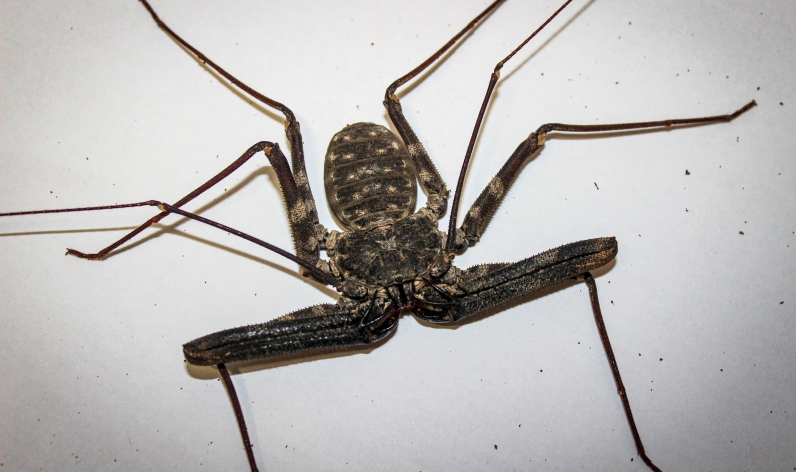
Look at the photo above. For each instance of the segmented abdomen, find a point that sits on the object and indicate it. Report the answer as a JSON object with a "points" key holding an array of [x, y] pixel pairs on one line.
{"points": [[368, 177]]}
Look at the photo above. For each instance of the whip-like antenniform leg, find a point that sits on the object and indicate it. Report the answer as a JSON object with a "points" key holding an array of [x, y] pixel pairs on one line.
{"points": [[302, 213], [427, 173]]}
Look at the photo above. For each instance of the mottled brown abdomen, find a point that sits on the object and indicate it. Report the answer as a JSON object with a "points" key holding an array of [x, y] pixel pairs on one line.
{"points": [[368, 177]]}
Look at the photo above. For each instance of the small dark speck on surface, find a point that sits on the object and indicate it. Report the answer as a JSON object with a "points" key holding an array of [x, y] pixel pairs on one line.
{"points": [[687, 172], [496, 447], [740, 232], [661, 359]]}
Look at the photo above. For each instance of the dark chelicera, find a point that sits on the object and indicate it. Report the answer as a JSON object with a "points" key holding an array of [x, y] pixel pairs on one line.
{"points": [[390, 259]]}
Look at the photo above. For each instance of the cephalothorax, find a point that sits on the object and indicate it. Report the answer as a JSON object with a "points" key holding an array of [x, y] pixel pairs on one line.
{"points": [[390, 258]]}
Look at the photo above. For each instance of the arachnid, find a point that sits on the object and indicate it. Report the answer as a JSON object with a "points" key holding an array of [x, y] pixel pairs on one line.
{"points": [[398, 295]]}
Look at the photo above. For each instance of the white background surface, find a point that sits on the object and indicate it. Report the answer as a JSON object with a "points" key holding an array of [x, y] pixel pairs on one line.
{"points": [[100, 107]]}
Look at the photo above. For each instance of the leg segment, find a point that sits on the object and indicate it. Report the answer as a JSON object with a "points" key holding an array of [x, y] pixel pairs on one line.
{"points": [[487, 203], [598, 318], [300, 218], [307, 248], [244, 432], [455, 243], [427, 173], [201, 189], [318, 272]]}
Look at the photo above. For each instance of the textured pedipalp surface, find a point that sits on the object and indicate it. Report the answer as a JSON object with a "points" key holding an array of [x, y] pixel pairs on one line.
{"points": [[368, 177], [316, 328], [483, 287]]}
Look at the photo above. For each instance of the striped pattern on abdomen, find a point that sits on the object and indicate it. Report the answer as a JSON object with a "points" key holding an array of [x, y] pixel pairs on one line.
{"points": [[368, 177]]}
